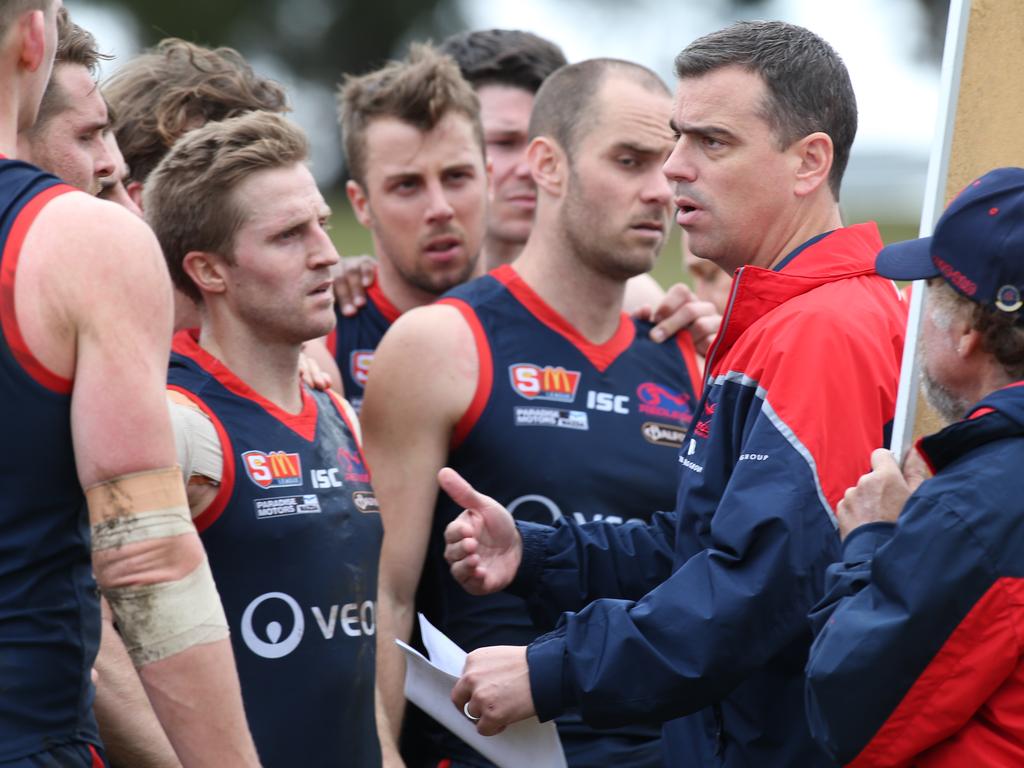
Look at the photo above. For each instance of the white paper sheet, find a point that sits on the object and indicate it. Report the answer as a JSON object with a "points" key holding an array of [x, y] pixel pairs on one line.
{"points": [[428, 685]]}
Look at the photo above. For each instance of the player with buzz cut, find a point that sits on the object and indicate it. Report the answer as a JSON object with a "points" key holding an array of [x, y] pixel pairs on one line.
{"points": [[86, 321], [276, 481], [520, 377]]}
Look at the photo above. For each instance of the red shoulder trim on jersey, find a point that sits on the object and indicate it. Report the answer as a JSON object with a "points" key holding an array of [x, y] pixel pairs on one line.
{"points": [[8, 317], [382, 302], [689, 352], [212, 513], [332, 341], [600, 355], [485, 375], [302, 423], [984, 645]]}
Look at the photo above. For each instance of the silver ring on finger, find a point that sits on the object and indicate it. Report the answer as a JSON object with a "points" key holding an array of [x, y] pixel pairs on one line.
{"points": [[467, 713]]}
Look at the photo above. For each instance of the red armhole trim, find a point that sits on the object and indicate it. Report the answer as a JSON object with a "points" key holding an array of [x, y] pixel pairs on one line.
{"points": [[9, 319], [332, 342], [97, 761], [210, 515], [485, 373], [689, 351]]}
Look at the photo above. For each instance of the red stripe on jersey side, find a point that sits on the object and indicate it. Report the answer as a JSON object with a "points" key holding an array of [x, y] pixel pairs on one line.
{"points": [[302, 423], [332, 341], [600, 355], [97, 761], [8, 317], [209, 516], [689, 352], [946, 718], [485, 373], [382, 302]]}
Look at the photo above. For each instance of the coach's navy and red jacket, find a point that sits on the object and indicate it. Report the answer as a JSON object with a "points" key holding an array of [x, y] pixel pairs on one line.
{"points": [[918, 655], [709, 616]]}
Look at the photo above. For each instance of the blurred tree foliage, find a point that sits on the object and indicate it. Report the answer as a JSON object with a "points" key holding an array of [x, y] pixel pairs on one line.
{"points": [[316, 39]]}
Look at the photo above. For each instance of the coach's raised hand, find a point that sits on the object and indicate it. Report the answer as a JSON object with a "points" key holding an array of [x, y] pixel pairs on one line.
{"points": [[482, 545]]}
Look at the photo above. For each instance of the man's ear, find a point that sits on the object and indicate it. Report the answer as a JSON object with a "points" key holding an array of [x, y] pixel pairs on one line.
{"points": [[31, 29], [207, 271], [134, 190], [548, 165], [814, 154], [360, 202]]}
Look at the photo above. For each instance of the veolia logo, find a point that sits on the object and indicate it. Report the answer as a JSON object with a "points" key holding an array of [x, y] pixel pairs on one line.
{"points": [[277, 647]]}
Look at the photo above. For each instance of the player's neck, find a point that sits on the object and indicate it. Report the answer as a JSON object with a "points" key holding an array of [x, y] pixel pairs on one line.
{"points": [[590, 301], [402, 294], [497, 252], [271, 369]]}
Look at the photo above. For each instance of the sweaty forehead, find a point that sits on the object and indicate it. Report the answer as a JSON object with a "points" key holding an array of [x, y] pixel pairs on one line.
{"points": [[396, 147]]}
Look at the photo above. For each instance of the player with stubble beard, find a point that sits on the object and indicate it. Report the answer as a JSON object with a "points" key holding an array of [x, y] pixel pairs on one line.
{"points": [[520, 377], [415, 151]]}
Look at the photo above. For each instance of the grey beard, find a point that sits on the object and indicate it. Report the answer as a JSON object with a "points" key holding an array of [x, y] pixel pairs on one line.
{"points": [[950, 407]]}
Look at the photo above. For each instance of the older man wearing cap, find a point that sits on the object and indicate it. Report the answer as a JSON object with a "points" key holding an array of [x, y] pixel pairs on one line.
{"points": [[919, 642]]}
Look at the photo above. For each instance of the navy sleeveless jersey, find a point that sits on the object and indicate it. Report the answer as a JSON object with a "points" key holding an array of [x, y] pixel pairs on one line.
{"points": [[355, 339], [293, 537], [559, 428], [49, 609]]}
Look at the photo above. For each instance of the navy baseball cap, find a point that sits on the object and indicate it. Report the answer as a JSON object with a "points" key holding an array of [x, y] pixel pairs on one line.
{"points": [[977, 247]]}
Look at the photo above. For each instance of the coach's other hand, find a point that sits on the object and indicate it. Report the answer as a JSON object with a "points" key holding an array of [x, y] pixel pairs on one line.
{"points": [[681, 310], [482, 545], [495, 687]]}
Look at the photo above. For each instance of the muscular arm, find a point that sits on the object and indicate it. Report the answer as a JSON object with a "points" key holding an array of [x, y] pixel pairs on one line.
{"points": [[422, 380], [102, 316]]}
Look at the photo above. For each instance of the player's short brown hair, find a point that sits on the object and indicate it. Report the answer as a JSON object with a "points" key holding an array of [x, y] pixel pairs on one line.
{"points": [[565, 106], [167, 91], [189, 197], [420, 90], [75, 47]]}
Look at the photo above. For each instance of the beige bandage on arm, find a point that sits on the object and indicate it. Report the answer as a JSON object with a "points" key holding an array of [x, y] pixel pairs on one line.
{"points": [[158, 619]]}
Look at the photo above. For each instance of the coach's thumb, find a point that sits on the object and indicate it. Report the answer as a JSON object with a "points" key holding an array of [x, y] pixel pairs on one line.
{"points": [[461, 492]]}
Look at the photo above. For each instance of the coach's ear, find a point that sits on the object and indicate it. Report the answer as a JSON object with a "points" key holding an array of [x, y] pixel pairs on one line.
{"points": [[360, 202], [548, 165], [812, 157], [207, 270]]}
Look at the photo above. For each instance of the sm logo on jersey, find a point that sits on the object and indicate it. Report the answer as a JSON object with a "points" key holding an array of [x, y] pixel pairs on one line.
{"points": [[273, 470], [658, 400], [359, 365], [547, 383]]}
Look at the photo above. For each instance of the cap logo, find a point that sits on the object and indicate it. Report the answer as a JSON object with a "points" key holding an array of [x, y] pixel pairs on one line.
{"points": [[993, 211], [963, 283], [1008, 299]]}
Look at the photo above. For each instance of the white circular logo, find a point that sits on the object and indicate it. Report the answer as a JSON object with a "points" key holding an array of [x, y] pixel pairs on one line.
{"points": [[277, 647], [556, 513]]}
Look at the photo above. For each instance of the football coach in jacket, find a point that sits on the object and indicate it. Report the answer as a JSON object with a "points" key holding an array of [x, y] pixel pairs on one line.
{"points": [[705, 609], [918, 656]]}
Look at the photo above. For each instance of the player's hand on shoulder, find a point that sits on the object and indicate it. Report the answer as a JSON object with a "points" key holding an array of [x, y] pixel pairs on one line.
{"points": [[356, 274], [482, 545], [681, 310]]}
